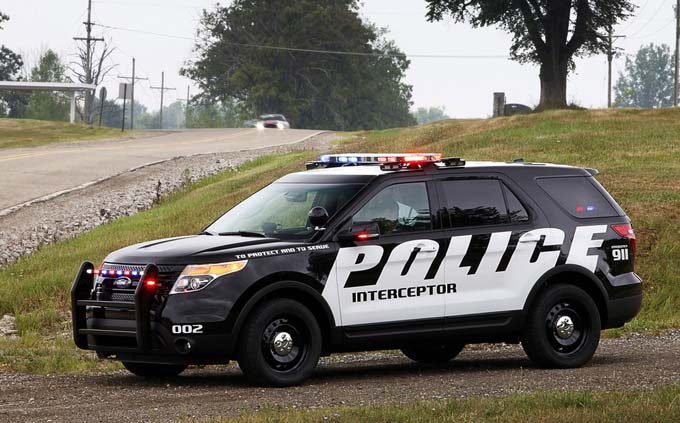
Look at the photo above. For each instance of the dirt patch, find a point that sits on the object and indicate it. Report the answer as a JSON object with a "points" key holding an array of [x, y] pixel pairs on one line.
{"points": [[633, 362]]}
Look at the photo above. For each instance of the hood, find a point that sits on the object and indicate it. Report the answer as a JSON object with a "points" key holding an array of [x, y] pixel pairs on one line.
{"points": [[194, 249]]}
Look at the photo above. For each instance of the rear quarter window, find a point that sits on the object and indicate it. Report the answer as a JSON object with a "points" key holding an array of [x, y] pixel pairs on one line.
{"points": [[579, 196]]}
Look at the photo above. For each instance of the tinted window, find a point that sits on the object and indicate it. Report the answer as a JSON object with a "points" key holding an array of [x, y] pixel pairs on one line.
{"points": [[578, 196], [398, 208], [478, 202], [516, 211]]}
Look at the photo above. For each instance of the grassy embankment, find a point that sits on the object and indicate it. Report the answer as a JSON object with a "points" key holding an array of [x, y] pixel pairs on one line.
{"points": [[638, 153], [17, 133], [660, 405]]}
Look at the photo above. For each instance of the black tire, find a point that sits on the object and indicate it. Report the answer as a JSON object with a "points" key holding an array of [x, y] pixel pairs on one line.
{"points": [[433, 353], [563, 328], [154, 370], [292, 359]]}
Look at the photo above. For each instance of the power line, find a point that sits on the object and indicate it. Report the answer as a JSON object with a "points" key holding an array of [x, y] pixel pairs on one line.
{"points": [[660, 29], [319, 51], [637, 15], [656, 12]]}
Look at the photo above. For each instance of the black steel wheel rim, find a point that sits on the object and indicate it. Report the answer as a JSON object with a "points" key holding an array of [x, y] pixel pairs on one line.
{"points": [[563, 340], [299, 335]]}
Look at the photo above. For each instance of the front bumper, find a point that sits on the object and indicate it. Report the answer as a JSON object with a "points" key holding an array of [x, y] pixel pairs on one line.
{"points": [[107, 327]]}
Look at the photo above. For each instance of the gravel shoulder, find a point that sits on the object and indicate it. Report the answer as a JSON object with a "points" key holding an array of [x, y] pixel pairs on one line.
{"points": [[633, 362], [25, 230]]}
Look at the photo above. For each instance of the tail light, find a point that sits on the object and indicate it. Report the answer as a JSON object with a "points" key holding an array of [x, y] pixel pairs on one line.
{"points": [[625, 230]]}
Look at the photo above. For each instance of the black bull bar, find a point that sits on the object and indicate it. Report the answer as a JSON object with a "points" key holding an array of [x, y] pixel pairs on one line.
{"points": [[81, 293]]}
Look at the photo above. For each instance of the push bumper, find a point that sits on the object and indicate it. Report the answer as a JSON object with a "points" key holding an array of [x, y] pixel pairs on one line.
{"points": [[144, 339], [80, 301]]}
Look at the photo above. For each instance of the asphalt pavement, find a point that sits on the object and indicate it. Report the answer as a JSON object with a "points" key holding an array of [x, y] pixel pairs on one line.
{"points": [[29, 174]]}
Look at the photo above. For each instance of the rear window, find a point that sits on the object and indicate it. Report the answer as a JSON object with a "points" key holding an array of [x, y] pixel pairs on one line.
{"points": [[579, 196]]}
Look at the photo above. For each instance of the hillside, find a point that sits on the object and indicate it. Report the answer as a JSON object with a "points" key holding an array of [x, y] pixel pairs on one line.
{"points": [[637, 152], [16, 133]]}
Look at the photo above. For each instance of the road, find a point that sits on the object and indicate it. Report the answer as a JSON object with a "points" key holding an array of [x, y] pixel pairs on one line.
{"points": [[634, 362], [32, 173]]}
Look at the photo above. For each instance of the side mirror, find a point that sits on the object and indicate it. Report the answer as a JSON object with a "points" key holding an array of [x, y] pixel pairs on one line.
{"points": [[360, 231], [318, 216]]}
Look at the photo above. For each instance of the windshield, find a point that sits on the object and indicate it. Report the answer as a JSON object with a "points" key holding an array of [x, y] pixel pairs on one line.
{"points": [[280, 210], [272, 117]]}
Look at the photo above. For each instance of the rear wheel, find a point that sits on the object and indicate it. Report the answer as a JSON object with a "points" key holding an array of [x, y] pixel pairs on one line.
{"points": [[563, 328], [433, 353], [280, 344], [154, 370]]}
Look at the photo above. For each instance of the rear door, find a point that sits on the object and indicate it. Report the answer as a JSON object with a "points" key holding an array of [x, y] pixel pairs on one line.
{"points": [[493, 255]]}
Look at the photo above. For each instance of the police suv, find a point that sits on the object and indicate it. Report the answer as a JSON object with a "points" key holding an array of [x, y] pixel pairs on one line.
{"points": [[373, 251]]}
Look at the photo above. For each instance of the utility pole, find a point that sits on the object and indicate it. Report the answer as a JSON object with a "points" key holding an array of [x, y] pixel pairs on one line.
{"points": [[610, 58], [187, 111], [132, 93], [163, 89], [677, 52], [89, 42]]}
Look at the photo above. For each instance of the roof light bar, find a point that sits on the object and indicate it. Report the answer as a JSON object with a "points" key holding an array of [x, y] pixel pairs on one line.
{"points": [[356, 159]]}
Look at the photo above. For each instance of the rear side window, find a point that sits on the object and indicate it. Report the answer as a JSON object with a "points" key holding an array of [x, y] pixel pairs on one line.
{"points": [[481, 202], [578, 196]]}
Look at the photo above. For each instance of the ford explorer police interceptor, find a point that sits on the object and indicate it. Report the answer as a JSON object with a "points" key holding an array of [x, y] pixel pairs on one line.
{"points": [[372, 251]]}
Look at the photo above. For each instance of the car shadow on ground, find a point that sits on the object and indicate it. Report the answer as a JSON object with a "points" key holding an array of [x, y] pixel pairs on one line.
{"points": [[379, 371]]}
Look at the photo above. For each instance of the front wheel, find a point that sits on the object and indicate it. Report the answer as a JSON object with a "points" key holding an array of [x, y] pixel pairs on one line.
{"points": [[280, 344], [433, 353], [563, 328], [154, 370]]}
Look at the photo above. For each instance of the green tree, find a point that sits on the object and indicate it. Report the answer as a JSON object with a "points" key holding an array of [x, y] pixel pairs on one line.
{"points": [[547, 32], [313, 89], [647, 79], [432, 114], [214, 115], [12, 104], [47, 105]]}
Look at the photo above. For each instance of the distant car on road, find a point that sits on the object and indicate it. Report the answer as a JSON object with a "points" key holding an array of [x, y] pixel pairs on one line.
{"points": [[272, 121]]}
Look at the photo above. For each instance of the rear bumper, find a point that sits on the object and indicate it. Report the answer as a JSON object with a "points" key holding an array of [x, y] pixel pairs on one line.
{"points": [[623, 310], [627, 304]]}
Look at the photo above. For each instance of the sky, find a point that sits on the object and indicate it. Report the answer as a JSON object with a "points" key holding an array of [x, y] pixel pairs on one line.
{"points": [[464, 87]]}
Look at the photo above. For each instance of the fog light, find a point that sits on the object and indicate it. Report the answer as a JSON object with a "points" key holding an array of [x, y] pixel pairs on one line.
{"points": [[183, 346]]}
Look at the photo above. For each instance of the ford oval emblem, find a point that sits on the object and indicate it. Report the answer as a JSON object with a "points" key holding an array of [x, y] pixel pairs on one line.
{"points": [[122, 283]]}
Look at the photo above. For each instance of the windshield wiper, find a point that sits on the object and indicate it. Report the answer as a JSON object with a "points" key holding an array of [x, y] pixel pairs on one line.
{"points": [[207, 233], [245, 233]]}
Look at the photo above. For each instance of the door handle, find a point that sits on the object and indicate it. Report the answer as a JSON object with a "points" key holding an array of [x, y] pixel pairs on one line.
{"points": [[424, 248], [530, 239]]}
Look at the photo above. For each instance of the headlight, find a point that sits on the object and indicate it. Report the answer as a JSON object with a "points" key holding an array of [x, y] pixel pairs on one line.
{"points": [[259, 125], [196, 277], [280, 125]]}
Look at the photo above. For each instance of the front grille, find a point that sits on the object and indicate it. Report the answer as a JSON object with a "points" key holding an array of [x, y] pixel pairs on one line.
{"points": [[105, 290], [124, 298]]}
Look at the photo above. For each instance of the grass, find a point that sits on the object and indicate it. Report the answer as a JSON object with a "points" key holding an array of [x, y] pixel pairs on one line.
{"points": [[17, 133], [638, 153], [659, 405]]}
